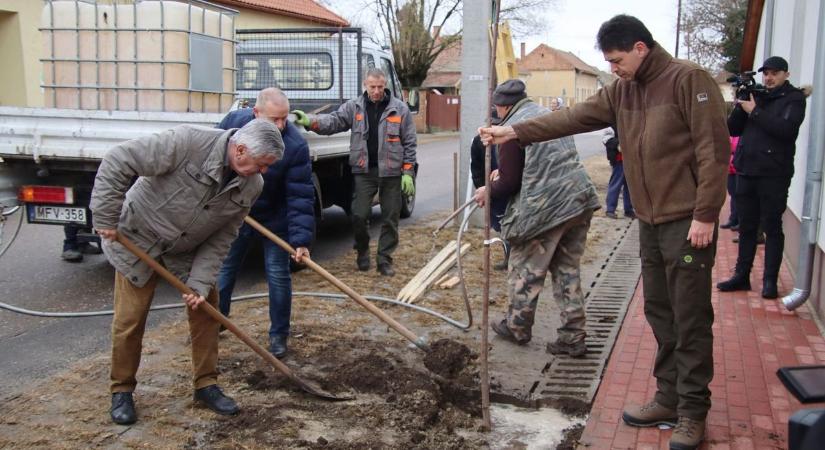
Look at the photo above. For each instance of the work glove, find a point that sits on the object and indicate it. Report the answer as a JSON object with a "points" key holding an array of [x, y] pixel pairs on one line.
{"points": [[301, 118], [407, 184]]}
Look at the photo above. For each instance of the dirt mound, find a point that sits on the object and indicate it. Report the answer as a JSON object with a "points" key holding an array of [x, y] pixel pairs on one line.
{"points": [[448, 358], [368, 373]]}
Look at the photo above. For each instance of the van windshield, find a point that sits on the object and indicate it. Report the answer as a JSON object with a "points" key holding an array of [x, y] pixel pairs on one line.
{"points": [[306, 71]]}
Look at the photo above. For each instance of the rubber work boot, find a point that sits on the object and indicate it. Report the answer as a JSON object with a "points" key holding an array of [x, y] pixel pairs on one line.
{"points": [[504, 331], [123, 408], [769, 289], [575, 350], [72, 255], [277, 346], [213, 398], [740, 281], [363, 261], [688, 434], [650, 415]]}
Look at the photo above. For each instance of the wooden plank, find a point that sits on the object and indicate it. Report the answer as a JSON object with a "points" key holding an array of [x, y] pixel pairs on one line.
{"points": [[429, 267], [438, 272], [450, 283], [444, 279], [426, 270]]}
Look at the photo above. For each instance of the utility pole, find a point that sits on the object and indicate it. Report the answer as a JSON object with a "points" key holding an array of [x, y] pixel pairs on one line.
{"points": [[475, 81], [678, 27]]}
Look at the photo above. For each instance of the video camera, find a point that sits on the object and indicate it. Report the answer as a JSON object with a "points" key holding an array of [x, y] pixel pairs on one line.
{"points": [[745, 85]]}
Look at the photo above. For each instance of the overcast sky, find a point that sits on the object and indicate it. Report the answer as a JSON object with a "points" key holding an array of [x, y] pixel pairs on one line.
{"points": [[573, 28], [573, 23]]}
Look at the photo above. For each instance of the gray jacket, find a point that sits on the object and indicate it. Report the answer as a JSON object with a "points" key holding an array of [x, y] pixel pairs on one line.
{"points": [[396, 135], [177, 210], [554, 186]]}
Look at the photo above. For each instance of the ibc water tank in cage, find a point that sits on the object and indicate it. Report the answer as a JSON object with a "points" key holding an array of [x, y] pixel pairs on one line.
{"points": [[151, 55]]}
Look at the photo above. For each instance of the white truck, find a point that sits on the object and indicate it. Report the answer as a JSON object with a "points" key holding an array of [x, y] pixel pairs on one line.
{"points": [[49, 156]]}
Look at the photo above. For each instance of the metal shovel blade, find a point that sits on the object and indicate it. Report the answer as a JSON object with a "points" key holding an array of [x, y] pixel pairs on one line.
{"points": [[215, 314]]}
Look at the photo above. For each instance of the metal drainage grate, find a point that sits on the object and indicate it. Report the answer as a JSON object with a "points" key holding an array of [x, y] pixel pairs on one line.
{"points": [[607, 301]]}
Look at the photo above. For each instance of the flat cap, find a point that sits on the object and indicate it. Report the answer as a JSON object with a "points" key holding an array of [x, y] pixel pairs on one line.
{"points": [[509, 93]]}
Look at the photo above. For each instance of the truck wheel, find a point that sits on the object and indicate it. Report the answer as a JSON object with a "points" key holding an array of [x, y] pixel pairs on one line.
{"points": [[407, 205]]}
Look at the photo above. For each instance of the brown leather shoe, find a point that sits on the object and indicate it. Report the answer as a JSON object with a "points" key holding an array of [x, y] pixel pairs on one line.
{"points": [[650, 415], [688, 434]]}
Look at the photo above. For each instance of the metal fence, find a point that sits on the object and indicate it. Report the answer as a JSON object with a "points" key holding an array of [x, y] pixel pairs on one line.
{"points": [[317, 68]]}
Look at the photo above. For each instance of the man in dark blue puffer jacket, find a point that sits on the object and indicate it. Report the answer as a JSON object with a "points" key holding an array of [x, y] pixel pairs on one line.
{"points": [[286, 207]]}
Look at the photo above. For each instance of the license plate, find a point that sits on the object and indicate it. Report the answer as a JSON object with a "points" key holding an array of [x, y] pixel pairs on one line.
{"points": [[57, 214]]}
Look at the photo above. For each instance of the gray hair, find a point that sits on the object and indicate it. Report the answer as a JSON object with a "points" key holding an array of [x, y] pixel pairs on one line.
{"points": [[261, 137], [272, 95], [375, 72]]}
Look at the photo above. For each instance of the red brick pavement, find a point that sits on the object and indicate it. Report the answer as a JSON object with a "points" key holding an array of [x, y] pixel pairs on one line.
{"points": [[753, 337]]}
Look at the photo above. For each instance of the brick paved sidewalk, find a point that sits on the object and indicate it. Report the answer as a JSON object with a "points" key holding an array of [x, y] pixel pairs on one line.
{"points": [[753, 337]]}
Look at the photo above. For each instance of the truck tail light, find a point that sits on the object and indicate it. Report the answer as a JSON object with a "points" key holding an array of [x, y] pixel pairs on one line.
{"points": [[46, 194]]}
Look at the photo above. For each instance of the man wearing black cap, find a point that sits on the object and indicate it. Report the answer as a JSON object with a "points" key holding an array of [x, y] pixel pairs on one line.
{"points": [[549, 207], [768, 125]]}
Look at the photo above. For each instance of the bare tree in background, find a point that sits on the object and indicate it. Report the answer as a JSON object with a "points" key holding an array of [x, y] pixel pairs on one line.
{"points": [[712, 32], [415, 29]]}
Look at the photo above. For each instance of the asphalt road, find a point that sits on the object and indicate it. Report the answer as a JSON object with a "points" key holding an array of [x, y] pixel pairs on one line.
{"points": [[33, 276]]}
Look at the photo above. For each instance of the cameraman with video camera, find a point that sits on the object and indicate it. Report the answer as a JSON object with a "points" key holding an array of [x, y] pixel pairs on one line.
{"points": [[767, 119]]}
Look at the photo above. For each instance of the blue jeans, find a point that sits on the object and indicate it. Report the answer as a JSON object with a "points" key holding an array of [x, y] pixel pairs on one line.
{"points": [[618, 185], [276, 264]]}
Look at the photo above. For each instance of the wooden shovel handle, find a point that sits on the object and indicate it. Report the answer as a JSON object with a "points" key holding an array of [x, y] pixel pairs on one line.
{"points": [[377, 312]]}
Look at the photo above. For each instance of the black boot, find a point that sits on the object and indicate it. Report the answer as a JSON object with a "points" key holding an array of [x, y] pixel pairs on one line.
{"points": [[123, 408], [363, 261], [213, 398], [740, 281], [277, 346], [386, 269], [769, 289]]}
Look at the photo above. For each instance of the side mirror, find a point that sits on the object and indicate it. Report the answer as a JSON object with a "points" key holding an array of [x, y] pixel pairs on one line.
{"points": [[413, 100]]}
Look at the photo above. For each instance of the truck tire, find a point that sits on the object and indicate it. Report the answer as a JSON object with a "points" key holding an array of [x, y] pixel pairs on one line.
{"points": [[407, 205]]}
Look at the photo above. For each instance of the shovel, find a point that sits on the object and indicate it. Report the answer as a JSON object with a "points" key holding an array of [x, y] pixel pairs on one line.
{"points": [[377, 312], [215, 314]]}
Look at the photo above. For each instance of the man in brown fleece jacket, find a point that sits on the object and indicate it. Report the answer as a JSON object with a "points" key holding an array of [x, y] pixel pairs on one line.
{"points": [[671, 121]]}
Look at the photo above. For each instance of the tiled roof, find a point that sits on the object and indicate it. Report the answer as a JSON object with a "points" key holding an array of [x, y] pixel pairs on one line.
{"points": [[441, 79], [545, 57], [448, 60], [302, 9]]}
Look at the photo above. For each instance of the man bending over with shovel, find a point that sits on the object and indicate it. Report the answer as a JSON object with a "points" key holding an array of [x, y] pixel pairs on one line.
{"points": [[194, 189]]}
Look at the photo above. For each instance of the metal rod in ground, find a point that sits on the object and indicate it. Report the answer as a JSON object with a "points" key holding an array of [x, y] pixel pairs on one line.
{"points": [[451, 216], [377, 312], [220, 318], [486, 423]]}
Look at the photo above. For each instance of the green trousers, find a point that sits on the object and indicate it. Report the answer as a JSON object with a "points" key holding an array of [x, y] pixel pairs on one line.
{"points": [[677, 284], [389, 197]]}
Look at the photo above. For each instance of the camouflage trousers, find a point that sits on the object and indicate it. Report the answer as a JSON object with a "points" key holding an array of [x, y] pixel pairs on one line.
{"points": [[559, 251]]}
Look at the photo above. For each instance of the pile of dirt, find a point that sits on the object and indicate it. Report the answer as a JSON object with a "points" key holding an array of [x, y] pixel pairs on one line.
{"points": [[397, 403], [448, 358]]}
